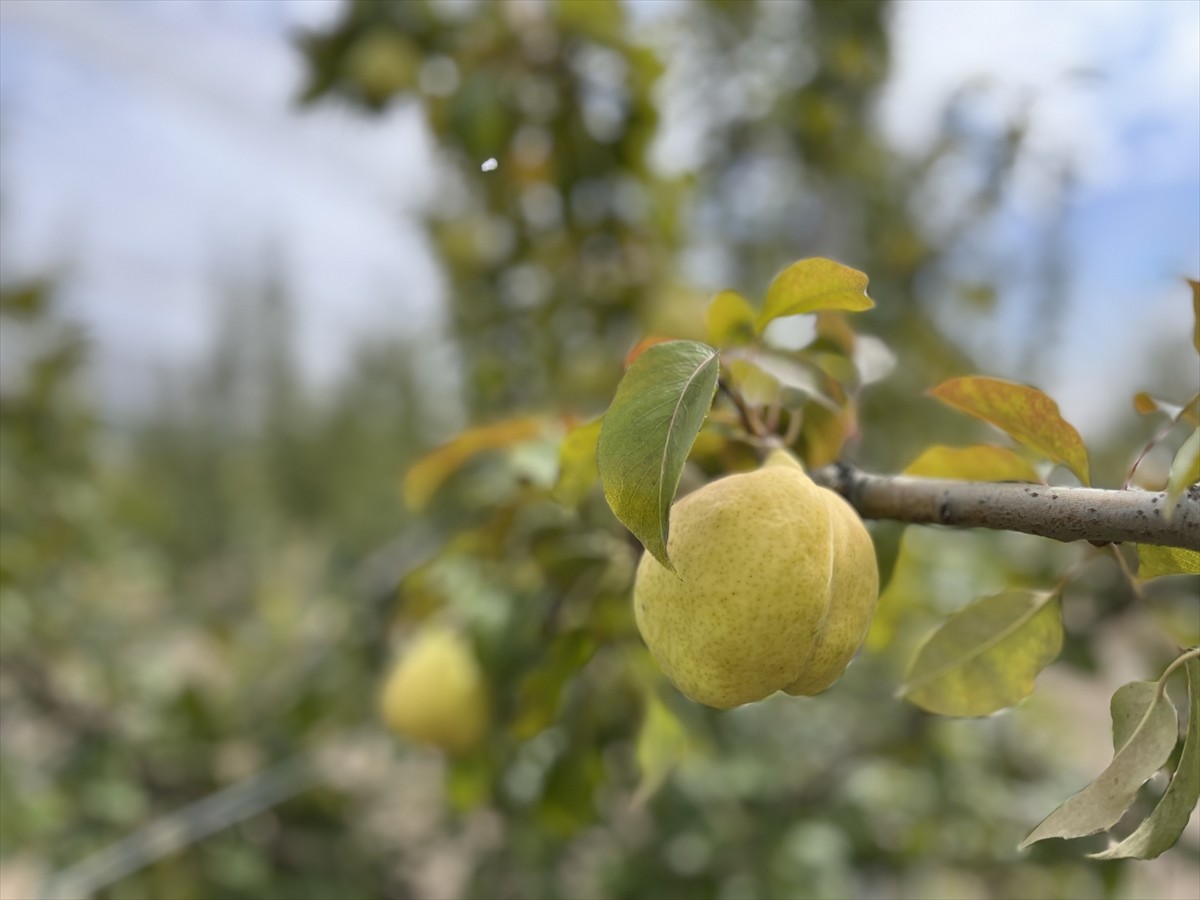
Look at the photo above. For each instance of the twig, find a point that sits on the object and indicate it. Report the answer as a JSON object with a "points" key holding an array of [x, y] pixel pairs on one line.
{"points": [[179, 829], [1134, 585], [1184, 657], [749, 420], [1060, 513]]}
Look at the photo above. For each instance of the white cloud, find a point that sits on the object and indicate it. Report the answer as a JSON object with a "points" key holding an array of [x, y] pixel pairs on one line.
{"points": [[159, 144], [1139, 62]]}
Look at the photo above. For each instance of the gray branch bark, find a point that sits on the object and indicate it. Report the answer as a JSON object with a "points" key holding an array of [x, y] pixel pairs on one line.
{"points": [[1061, 513]]}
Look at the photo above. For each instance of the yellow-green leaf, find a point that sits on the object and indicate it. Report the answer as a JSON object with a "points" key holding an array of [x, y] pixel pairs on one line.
{"points": [[648, 430], [431, 471], [1022, 412], [730, 320], [1190, 412], [1185, 470], [811, 285], [577, 467], [981, 462], [985, 657], [1161, 829], [1145, 404], [1145, 749], [1155, 561]]}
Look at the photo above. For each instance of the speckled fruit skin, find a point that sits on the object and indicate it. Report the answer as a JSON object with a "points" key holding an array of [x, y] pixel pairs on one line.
{"points": [[775, 588], [435, 694]]}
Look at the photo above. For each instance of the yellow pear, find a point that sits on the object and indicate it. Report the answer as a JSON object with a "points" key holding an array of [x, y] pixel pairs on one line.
{"points": [[774, 588], [436, 694]]}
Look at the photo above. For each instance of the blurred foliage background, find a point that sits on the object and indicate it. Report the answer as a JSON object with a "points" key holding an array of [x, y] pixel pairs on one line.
{"points": [[196, 610]]}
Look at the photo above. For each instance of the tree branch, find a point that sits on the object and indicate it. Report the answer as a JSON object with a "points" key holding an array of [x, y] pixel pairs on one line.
{"points": [[1061, 513]]}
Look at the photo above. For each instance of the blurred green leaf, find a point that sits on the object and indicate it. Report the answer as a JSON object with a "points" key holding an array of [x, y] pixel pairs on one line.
{"points": [[1185, 470], [1146, 748], [1022, 412], [541, 691], [661, 744], [25, 300], [601, 20], [811, 285], [577, 466], [469, 780], [825, 432], [382, 62], [569, 799], [1190, 412], [979, 462], [793, 375], [648, 430], [431, 471], [986, 656], [1155, 561], [757, 387], [1161, 829], [730, 320]]}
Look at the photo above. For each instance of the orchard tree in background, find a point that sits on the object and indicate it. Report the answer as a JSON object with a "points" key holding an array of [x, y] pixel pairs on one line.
{"points": [[545, 594]]}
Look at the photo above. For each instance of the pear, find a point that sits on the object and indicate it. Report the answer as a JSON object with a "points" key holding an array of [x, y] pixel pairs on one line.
{"points": [[436, 694], [774, 588]]}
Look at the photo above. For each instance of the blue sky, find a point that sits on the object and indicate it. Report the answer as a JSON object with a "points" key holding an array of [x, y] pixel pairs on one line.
{"points": [[149, 145]]}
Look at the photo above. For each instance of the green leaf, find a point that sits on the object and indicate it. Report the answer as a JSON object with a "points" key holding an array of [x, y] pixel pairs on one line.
{"points": [[981, 462], [1155, 561], [1162, 828], [985, 657], [1022, 412], [469, 781], [811, 285], [661, 744], [568, 801], [577, 467], [1185, 470], [757, 387], [730, 320], [1145, 750], [1127, 707], [792, 375], [540, 694], [647, 432]]}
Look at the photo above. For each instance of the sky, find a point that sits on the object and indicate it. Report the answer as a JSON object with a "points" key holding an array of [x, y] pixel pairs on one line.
{"points": [[148, 146]]}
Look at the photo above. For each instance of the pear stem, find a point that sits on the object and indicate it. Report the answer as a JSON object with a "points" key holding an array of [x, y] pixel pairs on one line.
{"points": [[1061, 513]]}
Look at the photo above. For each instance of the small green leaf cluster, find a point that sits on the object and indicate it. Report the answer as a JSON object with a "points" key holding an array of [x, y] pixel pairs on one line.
{"points": [[661, 405], [1145, 733]]}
